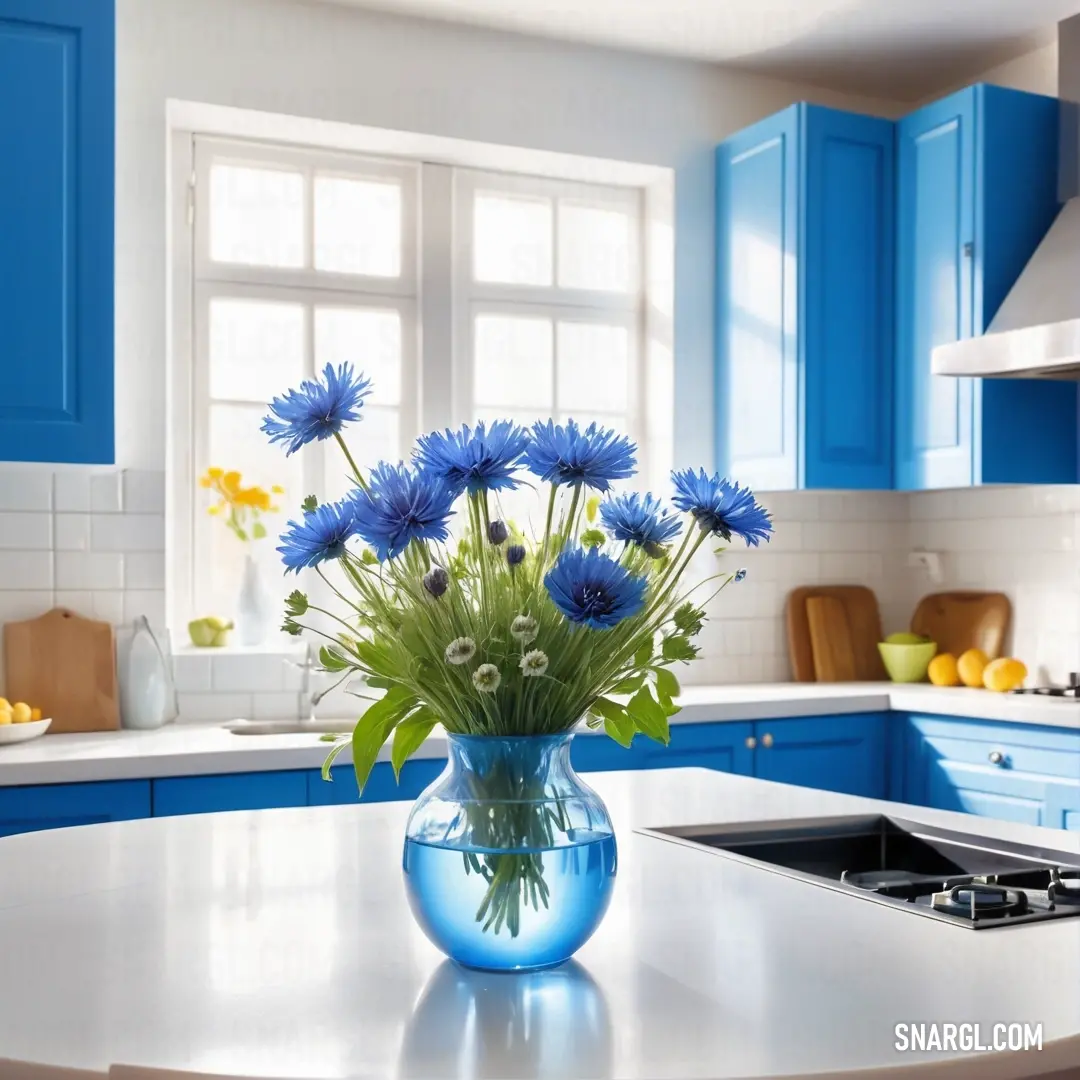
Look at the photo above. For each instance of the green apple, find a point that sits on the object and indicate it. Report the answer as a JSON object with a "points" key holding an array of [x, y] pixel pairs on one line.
{"points": [[210, 632]]}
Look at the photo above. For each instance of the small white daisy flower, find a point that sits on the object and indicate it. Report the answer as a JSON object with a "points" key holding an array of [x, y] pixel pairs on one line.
{"points": [[486, 678], [524, 628], [534, 662], [460, 651]]}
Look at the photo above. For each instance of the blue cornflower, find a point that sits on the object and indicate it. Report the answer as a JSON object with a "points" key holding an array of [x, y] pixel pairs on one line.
{"points": [[637, 519], [721, 507], [319, 537], [515, 554], [474, 459], [319, 409], [399, 506], [593, 589], [567, 455]]}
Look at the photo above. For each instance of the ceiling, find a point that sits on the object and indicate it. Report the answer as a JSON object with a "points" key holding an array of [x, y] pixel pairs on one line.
{"points": [[901, 49]]}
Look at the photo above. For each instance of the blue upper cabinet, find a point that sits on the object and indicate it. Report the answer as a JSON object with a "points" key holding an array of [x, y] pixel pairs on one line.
{"points": [[805, 299], [976, 192], [57, 94]]}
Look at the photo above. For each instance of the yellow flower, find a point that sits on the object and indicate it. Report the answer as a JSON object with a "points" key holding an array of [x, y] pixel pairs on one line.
{"points": [[214, 509], [205, 481], [277, 489], [231, 483], [215, 473]]}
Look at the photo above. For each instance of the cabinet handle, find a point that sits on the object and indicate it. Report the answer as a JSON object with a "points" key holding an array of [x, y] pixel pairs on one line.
{"points": [[766, 740], [969, 250], [751, 742], [997, 757]]}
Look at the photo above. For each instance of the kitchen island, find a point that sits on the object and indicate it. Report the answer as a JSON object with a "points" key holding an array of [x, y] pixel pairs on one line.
{"points": [[279, 944]]}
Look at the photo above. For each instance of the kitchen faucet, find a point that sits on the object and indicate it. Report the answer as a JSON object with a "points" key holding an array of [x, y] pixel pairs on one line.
{"points": [[310, 663]]}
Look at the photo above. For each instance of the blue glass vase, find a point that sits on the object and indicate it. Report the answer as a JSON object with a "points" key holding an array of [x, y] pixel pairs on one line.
{"points": [[509, 858]]}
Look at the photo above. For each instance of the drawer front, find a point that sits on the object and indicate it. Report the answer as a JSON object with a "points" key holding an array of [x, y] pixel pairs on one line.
{"points": [[982, 790], [1021, 749], [381, 786], [239, 791], [57, 806]]}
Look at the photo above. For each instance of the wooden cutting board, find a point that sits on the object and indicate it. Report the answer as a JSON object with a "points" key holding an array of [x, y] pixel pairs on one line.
{"points": [[830, 639], [64, 665], [964, 620], [863, 623]]}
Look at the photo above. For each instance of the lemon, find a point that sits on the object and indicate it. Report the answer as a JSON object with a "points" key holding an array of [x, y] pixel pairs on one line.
{"points": [[5, 704], [905, 637], [970, 667], [1004, 674], [35, 714], [5, 716], [942, 670], [20, 713]]}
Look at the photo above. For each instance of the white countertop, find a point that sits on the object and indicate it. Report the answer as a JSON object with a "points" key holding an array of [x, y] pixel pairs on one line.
{"points": [[196, 749], [280, 944]]}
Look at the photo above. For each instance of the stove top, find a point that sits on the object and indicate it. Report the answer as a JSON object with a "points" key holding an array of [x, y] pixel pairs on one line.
{"points": [[1070, 691], [959, 878]]}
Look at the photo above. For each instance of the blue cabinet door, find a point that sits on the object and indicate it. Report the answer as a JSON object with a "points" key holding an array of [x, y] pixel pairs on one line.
{"points": [[236, 791], [416, 774], [57, 116], [56, 806], [1014, 772], [846, 245], [757, 394], [834, 753], [976, 192], [725, 747], [804, 301]]}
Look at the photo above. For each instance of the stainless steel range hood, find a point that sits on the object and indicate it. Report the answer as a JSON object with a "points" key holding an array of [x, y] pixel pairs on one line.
{"points": [[1036, 332]]}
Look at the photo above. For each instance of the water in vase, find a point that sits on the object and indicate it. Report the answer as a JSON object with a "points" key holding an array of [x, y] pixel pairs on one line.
{"points": [[511, 910]]}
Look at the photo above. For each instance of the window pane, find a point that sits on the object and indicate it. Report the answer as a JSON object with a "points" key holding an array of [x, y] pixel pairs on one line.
{"points": [[256, 349], [514, 362], [256, 216], [357, 226], [594, 248], [377, 438], [593, 367], [367, 338], [512, 240]]}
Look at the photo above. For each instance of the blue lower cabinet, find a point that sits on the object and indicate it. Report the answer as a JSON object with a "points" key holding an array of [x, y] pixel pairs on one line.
{"points": [[416, 775], [833, 753], [56, 806], [1009, 771], [238, 791], [717, 746]]}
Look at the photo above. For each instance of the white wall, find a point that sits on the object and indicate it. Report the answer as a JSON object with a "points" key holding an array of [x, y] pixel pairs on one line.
{"points": [[326, 62], [1036, 72]]}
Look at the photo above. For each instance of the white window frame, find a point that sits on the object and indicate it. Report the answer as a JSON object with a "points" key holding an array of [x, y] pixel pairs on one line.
{"points": [[553, 301], [435, 295]]}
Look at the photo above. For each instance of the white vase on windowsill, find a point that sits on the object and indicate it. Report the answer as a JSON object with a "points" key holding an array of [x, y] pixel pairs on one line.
{"points": [[255, 608]]}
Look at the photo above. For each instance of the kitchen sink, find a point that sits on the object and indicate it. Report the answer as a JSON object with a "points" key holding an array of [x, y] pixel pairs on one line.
{"points": [[290, 727]]}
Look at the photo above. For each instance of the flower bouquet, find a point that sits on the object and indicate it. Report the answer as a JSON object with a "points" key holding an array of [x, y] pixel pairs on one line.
{"points": [[509, 638]]}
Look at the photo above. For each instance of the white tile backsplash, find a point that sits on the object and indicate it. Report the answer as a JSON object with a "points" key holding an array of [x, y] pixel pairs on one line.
{"points": [[93, 540]]}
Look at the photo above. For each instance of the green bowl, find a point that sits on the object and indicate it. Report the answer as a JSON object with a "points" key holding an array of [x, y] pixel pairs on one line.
{"points": [[907, 663]]}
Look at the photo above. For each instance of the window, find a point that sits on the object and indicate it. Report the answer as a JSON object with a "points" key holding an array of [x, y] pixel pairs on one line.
{"points": [[494, 294]]}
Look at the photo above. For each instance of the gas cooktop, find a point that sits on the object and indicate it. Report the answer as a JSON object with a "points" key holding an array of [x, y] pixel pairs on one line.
{"points": [[961, 878]]}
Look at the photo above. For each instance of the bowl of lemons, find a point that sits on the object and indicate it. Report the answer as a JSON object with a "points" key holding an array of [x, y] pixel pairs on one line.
{"points": [[20, 722], [907, 656]]}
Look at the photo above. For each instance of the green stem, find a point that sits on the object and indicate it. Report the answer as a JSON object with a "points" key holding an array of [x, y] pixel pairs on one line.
{"points": [[348, 457], [547, 536]]}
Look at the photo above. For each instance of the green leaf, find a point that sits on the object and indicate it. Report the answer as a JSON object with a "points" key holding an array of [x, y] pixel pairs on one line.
{"points": [[593, 722], [258, 530], [678, 647], [332, 660], [289, 626], [330, 760], [408, 736], [629, 686], [667, 686], [650, 718], [310, 505], [373, 729], [296, 604], [689, 619], [644, 653], [617, 723], [241, 535], [369, 558]]}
